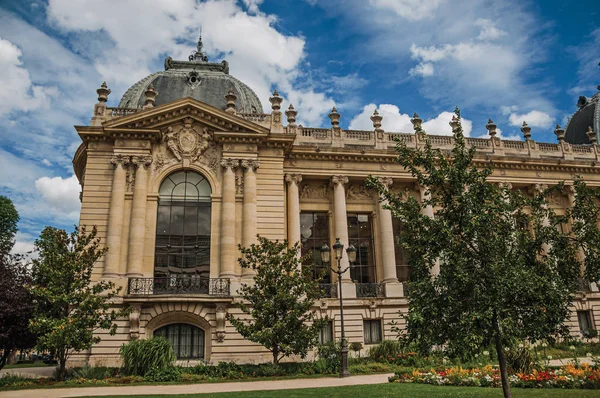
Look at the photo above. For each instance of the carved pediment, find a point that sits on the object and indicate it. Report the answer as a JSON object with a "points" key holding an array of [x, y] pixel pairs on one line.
{"points": [[167, 114], [187, 140]]}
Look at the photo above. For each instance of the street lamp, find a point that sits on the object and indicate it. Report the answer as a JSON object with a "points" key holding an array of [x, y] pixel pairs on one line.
{"points": [[338, 251]]}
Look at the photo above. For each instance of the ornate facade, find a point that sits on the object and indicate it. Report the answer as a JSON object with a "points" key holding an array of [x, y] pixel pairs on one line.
{"points": [[174, 186]]}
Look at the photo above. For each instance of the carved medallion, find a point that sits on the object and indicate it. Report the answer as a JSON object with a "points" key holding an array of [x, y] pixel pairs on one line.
{"points": [[187, 141]]}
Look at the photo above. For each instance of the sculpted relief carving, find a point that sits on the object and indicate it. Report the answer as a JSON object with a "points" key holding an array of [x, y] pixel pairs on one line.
{"points": [[358, 192], [314, 190], [187, 140]]}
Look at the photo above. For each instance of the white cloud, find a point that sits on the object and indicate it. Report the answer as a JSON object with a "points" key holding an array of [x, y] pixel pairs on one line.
{"points": [[60, 194], [533, 119], [259, 54], [423, 69], [489, 31], [395, 121], [410, 9], [18, 93]]}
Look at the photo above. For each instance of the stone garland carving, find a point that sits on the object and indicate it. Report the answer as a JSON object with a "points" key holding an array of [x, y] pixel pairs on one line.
{"points": [[134, 321], [130, 179], [221, 316], [186, 141], [239, 184]]}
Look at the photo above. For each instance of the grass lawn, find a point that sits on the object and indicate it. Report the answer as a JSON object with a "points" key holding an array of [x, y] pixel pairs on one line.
{"points": [[390, 390]]}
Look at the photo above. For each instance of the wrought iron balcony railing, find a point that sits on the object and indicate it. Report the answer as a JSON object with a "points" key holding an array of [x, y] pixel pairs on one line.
{"points": [[179, 285], [370, 290], [329, 290]]}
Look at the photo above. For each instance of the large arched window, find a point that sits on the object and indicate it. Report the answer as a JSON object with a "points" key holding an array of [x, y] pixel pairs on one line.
{"points": [[183, 226], [187, 340]]}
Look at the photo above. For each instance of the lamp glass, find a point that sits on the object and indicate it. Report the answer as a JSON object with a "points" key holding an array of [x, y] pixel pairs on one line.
{"points": [[338, 248], [351, 250], [325, 254]]}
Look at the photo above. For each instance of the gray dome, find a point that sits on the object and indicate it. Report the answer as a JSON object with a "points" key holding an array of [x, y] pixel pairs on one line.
{"points": [[588, 115], [197, 78]]}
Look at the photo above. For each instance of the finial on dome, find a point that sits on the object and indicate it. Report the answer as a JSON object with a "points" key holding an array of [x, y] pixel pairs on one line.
{"points": [[591, 135], [291, 114], [150, 95], [230, 97], [491, 128], [103, 92], [376, 119], [416, 122], [275, 101], [454, 123], [526, 130], [198, 55], [560, 133], [335, 117]]}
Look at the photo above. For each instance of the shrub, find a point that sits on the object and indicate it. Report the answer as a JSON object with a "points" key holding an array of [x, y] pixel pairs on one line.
{"points": [[519, 360], [331, 356], [92, 372], [140, 356], [126, 380], [356, 346], [226, 370], [387, 350], [9, 380], [170, 373]]}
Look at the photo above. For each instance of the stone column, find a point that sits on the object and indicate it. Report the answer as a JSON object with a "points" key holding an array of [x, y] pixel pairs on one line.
{"points": [[228, 249], [115, 218], [386, 238], [249, 209], [428, 211], [293, 208], [137, 226], [340, 219]]}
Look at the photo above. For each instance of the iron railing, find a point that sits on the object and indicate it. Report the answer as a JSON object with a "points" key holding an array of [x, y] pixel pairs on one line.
{"points": [[179, 285], [328, 290], [370, 290]]}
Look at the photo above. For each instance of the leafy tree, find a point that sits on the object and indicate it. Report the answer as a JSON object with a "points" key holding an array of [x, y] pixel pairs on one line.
{"points": [[279, 301], [506, 272], [69, 307], [16, 305], [9, 217]]}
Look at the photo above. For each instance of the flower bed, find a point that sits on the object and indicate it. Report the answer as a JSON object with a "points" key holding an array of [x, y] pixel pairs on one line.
{"points": [[568, 376]]}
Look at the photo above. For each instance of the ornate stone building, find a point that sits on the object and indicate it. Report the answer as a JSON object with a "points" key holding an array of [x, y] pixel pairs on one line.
{"points": [[189, 165]]}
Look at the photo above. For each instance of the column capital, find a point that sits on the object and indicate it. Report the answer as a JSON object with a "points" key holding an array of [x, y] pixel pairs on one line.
{"points": [[341, 180], [142, 160], [387, 181], [250, 164], [293, 178], [536, 189], [228, 163], [120, 160]]}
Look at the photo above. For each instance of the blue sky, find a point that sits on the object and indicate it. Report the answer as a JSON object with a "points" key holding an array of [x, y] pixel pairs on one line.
{"points": [[508, 60]]}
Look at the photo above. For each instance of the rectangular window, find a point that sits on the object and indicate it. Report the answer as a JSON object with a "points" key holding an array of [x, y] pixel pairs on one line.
{"points": [[326, 333], [403, 270], [360, 235], [314, 233], [372, 330], [585, 321]]}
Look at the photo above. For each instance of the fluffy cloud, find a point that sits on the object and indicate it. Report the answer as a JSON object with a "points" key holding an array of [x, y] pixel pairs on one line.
{"points": [[18, 93], [395, 121], [62, 195], [533, 119], [409, 9], [488, 30], [423, 69], [258, 53]]}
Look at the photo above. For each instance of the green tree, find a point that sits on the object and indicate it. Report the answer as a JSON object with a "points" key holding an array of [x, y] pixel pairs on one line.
{"points": [[16, 305], [9, 217], [69, 307], [506, 272], [279, 301]]}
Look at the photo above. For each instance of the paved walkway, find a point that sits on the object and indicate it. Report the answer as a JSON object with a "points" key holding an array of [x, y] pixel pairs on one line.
{"points": [[33, 373], [204, 388]]}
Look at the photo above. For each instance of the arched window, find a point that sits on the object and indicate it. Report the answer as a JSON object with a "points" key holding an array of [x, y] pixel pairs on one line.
{"points": [[187, 340], [183, 226]]}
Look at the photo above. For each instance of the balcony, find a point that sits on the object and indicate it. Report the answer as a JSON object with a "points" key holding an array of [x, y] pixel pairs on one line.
{"points": [[219, 287], [328, 290], [364, 290]]}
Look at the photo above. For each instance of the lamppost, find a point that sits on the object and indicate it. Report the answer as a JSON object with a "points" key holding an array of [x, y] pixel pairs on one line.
{"points": [[338, 249]]}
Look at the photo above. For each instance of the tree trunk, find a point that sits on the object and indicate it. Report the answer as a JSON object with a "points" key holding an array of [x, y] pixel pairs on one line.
{"points": [[501, 358], [62, 366], [275, 359], [4, 358]]}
